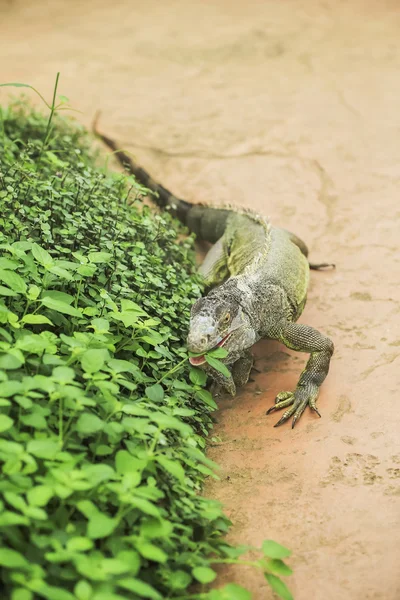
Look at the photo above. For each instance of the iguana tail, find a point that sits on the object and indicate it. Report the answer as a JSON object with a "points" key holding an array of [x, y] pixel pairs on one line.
{"points": [[206, 222]]}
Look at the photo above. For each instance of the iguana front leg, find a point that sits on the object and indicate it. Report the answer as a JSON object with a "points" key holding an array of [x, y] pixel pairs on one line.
{"points": [[242, 368], [304, 339], [220, 383]]}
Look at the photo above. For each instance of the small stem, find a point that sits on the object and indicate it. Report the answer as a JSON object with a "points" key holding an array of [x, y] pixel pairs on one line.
{"points": [[60, 420], [193, 596], [26, 308], [154, 443], [78, 292], [52, 111], [234, 561], [176, 368], [99, 435]]}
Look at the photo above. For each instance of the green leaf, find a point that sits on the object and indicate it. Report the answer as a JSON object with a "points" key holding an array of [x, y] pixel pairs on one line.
{"points": [[87, 508], [10, 361], [204, 574], [100, 325], [88, 424], [36, 320], [41, 255], [197, 376], [21, 594], [278, 567], [63, 374], [33, 292], [155, 393], [13, 281], [10, 387], [100, 526], [278, 587], [172, 466], [207, 398], [103, 450], [140, 588], [179, 580], [153, 338], [114, 566], [217, 365], [60, 272], [5, 423], [8, 518], [79, 544], [35, 420], [44, 448], [131, 558], [32, 344], [167, 422], [12, 559], [60, 306], [15, 500], [50, 592], [125, 462], [98, 473], [6, 263], [83, 590], [55, 160], [232, 591], [274, 550], [39, 495], [93, 360], [218, 353], [146, 507], [87, 270], [4, 291], [99, 257], [151, 552], [57, 295], [155, 528]]}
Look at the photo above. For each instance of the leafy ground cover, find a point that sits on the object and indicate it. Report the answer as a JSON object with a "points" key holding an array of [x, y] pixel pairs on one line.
{"points": [[102, 422]]}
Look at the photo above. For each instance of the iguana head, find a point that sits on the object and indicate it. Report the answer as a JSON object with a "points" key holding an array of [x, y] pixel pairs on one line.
{"points": [[213, 323]]}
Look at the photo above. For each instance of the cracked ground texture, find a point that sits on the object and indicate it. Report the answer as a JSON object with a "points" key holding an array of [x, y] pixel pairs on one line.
{"points": [[291, 108]]}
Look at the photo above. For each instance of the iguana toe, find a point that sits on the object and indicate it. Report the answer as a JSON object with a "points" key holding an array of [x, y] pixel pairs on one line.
{"points": [[282, 400]]}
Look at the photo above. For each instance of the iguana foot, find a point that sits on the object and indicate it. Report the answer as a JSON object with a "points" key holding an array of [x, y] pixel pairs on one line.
{"points": [[297, 401], [304, 339]]}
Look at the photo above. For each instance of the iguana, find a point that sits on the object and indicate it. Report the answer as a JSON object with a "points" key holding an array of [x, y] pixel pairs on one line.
{"points": [[258, 276]]}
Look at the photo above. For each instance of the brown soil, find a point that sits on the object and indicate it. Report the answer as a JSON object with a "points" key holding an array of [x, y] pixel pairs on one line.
{"points": [[292, 108]]}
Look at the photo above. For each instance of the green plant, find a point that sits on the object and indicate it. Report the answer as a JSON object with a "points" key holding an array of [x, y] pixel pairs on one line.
{"points": [[102, 422]]}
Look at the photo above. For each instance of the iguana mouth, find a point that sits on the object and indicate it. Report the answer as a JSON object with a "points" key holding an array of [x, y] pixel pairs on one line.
{"points": [[196, 361]]}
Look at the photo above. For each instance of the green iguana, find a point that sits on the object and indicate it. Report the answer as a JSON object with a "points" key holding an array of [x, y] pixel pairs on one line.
{"points": [[258, 275]]}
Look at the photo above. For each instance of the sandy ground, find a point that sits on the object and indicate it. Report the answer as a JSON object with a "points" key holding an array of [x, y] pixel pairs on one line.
{"points": [[292, 108]]}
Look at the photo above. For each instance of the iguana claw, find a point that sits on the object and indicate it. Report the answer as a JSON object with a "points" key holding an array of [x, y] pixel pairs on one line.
{"points": [[297, 401]]}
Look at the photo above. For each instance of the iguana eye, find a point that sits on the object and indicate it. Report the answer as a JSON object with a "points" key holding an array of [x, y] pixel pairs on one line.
{"points": [[227, 318]]}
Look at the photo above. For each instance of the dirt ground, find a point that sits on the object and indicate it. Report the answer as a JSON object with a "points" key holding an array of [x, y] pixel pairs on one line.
{"points": [[293, 108]]}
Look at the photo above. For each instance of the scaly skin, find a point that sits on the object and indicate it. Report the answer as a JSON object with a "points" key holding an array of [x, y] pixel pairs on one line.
{"points": [[258, 276]]}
